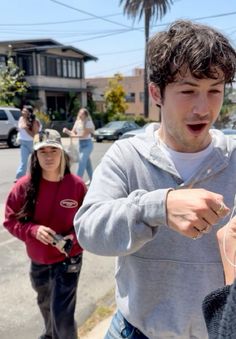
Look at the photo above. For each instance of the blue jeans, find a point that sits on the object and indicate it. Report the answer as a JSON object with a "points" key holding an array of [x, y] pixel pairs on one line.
{"points": [[120, 328], [26, 148], [85, 149], [56, 287]]}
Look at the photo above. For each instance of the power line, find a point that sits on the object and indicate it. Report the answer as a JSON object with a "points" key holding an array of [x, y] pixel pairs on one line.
{"points": [[201, 18], [91, 14], [102, 36], [159, 25], [58, 22]]}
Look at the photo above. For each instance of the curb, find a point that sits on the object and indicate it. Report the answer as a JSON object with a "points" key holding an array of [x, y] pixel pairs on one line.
{"points": [[97, 324], [99, 330]]}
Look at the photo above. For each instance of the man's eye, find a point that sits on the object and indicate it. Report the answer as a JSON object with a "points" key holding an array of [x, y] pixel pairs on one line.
{"points": [[215, 91], [187, 92]]}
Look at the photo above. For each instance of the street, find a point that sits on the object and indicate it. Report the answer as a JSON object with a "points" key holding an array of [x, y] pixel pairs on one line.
{"points": [[19, 314]]}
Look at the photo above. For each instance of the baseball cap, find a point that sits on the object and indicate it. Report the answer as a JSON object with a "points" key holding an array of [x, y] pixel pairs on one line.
{"points": [[46, 138]]}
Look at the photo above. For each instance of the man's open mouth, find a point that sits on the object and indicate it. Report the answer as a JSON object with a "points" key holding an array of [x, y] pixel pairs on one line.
{"points": [[197, 127]]}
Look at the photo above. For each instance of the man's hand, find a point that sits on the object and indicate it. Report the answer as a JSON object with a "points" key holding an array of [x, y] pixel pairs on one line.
{"points": [[44, 234], [192, 212]]}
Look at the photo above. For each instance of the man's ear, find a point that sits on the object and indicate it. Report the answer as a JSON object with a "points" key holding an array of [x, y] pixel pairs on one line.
{"points": [[155, 92]]}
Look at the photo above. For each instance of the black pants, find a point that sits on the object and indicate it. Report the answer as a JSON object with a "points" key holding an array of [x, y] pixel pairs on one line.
{"points": [[56, 287]]}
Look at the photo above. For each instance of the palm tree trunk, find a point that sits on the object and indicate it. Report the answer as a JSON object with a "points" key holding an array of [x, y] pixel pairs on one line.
{"points": [[146, 92]]}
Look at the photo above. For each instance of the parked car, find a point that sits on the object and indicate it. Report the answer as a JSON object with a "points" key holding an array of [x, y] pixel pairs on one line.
{"points": [[136, 131], [114, 130], [9, 117], [229, 131]]}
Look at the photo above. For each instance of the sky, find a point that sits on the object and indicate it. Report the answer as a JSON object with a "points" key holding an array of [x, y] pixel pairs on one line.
{"points": [[100, 28]]}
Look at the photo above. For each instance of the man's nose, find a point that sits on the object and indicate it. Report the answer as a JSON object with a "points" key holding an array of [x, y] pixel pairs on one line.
{"points": [[201, 105]]}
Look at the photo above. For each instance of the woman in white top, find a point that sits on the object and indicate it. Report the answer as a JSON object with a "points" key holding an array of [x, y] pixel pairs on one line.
{"points": [[28, 126], [83, 127]]}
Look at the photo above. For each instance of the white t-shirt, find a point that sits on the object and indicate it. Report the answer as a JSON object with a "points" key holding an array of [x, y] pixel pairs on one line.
{"points": [[80, 126], [186, 163], [22, 133]]}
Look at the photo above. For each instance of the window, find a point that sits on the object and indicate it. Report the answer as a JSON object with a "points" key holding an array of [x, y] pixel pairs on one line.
{"points": [[78, 69], [60, 67], [141, 96], [69, 68], [43, 65], [59, 71], [15, 113], [26, 63], [130, 97], [65, 71], [51, 66], [73, 70], [3, 115]]}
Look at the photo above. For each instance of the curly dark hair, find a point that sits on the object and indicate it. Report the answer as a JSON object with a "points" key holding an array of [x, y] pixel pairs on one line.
{"points": [[189, 46], [27, 211]]}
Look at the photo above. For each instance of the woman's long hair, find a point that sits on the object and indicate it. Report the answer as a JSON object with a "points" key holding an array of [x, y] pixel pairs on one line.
{"points": [[27, 211], [30, 118]]}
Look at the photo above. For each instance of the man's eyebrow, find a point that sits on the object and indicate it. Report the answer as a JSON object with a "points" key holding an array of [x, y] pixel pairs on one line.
{"points": [[195, 84]]}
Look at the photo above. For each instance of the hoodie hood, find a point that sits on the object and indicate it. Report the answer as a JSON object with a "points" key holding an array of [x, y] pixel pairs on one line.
{"points": [[148, 145]]}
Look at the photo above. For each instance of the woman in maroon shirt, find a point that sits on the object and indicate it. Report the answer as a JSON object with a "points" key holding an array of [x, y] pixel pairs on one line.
{"points": [[39, 211]]}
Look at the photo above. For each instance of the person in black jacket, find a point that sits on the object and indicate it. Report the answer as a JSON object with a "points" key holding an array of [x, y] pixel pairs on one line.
{"points": [[219, 307]]}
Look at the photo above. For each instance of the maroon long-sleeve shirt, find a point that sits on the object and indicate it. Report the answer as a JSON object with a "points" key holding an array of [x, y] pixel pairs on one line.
{"points": [[56, 205]]}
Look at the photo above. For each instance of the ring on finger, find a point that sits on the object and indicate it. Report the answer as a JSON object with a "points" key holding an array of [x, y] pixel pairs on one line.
{"points": [[220, 209]]}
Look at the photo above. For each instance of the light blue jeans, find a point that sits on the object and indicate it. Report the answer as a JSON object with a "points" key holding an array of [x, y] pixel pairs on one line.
{"points": [[85, 149], [26, 148], [121, 328]]}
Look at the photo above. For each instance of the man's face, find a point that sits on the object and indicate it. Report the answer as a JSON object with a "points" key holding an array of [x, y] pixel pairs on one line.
{"points": [[189, 107]]}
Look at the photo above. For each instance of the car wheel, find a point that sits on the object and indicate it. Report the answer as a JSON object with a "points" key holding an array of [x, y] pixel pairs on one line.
{"points": [[11, 141], [99, 140]]}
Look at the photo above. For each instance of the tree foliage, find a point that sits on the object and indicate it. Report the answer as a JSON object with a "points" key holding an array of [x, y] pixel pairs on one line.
{"points": [[12, 83], [149, 9], [115, 96], [227, 108]]}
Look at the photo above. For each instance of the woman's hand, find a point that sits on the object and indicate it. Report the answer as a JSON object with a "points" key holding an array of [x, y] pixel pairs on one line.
{"points": [[44, 234], [226, 237], [66, 131]]}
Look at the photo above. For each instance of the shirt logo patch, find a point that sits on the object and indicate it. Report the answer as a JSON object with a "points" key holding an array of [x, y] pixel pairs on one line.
{"points": [[68, 203]]}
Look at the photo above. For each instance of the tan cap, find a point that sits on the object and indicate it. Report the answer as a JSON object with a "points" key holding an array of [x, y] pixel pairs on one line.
{"points": [[47, 138]]}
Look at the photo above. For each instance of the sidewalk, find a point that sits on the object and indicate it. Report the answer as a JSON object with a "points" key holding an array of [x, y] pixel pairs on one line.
{"points": [[99, 331]]}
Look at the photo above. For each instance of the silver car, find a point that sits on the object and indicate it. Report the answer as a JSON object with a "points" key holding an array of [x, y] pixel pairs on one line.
{"points": [[9, 117], [114, 130]]}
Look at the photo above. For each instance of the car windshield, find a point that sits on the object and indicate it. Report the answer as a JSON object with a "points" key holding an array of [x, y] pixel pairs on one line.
{"points": [[114, 124], [16, 114]]}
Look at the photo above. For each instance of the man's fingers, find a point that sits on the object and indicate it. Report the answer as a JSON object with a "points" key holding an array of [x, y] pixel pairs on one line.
{"points": [[197, 233], [220, 209]]}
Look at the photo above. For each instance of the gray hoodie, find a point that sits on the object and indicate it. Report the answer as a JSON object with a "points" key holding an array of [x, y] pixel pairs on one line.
{"points": [[161, 276]]}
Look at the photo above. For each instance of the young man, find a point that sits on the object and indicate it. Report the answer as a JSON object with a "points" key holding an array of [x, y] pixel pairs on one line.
{"points": [[154, 194]]}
